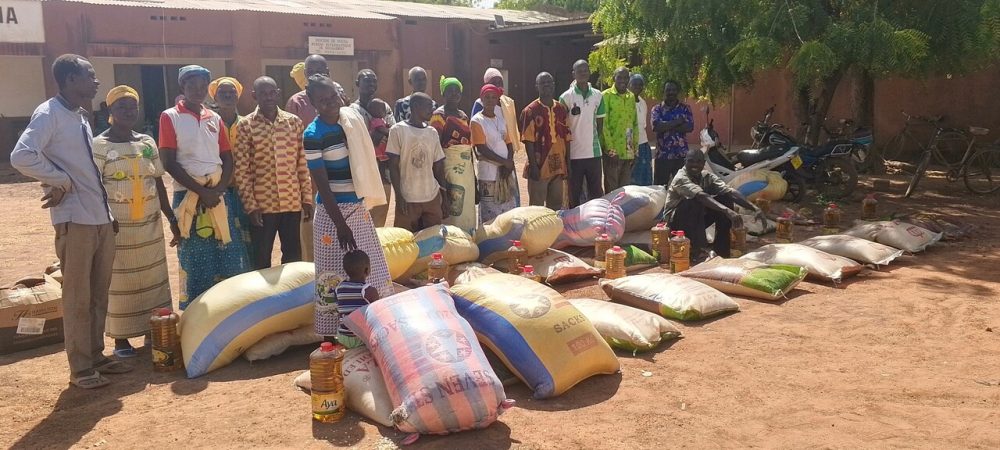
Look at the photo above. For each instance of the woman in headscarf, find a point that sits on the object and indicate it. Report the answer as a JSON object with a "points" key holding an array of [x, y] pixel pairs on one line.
{"points": [[495, 170], [196, 152], [298, 74], [452, 125], [341, 159], [226, 92], [131, 170]]}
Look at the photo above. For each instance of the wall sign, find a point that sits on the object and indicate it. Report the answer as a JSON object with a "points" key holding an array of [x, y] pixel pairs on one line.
{"points": [[496, 63], [21, 21], [330, 46]]}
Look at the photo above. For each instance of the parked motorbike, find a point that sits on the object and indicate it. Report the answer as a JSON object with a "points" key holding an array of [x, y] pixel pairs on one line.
{"points": [[724, 166]]}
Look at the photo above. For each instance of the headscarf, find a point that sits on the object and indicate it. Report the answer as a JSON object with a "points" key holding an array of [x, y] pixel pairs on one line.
{"points": [[298, 74], [490, 88], [214, 86], [119, 92], [192, 70], [450, 81], [490, 74]]}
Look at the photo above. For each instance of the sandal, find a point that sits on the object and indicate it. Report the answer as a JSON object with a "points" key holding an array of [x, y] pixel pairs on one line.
{"points": [[92, 381], [125, 353], [113, 367]]}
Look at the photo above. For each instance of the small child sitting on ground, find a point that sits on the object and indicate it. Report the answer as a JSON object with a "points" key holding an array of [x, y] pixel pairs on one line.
{"points": [[378, 127], [352, 294]]}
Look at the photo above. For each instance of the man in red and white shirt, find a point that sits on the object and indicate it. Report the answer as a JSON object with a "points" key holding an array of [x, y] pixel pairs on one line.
{"points": [[194, 145]]}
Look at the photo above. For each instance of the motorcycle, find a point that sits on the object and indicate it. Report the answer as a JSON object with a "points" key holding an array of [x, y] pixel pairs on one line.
{"points": [[831, 168], [767, 158]]}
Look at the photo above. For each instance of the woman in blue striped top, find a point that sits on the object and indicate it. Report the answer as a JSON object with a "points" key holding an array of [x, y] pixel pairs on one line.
{"points": [[342, 223]]}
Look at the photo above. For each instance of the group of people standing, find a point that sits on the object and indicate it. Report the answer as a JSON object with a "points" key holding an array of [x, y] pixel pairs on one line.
{"points": [[240, 181]]}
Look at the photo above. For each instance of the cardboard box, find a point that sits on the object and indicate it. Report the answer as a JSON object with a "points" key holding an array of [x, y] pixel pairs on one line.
{"points": [[31, 314]]}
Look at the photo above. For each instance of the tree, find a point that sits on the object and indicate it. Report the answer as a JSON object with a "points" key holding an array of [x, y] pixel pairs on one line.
{"points": [[555, 6], [716, 44]]}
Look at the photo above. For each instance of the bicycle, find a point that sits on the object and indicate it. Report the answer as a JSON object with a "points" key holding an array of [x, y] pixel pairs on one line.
{"points": [[978, 168], [898, 145]]}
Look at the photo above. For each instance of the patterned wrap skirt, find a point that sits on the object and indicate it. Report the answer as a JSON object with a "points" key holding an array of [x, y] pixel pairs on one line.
{"points": [[330, 257], [642, 171], [204, 259]]}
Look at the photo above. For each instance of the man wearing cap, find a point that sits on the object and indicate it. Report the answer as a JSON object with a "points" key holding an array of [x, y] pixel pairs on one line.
{"points": [[55, 149], [696, 200], [196, 152]]}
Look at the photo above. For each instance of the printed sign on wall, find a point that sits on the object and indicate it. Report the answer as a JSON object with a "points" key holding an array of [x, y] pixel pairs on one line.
{"points": [[330, 46], [21, 21]]}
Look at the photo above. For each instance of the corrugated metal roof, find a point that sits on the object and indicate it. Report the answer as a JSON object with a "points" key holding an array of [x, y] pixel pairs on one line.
{"points": [[358, 9]]}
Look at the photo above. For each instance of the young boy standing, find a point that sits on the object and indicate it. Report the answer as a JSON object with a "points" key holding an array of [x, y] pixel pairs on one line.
{"points": [[416, 167]]}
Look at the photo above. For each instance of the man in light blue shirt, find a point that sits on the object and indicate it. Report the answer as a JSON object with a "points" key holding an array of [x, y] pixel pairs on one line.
{"points": [[56, 150]]}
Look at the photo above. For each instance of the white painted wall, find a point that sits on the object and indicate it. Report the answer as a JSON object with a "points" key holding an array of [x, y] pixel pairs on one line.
{"points": [[24, 88]]}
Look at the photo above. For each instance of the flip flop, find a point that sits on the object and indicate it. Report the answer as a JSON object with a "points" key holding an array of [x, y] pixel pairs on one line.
{"points": [[92, 381], [125, 353], [113, 367]]}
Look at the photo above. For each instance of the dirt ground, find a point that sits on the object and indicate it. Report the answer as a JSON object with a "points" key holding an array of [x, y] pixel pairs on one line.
{"points": [[907, 356]]}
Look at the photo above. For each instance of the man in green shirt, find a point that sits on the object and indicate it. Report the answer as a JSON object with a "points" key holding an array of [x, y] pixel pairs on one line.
{"points": [[619, 137]]}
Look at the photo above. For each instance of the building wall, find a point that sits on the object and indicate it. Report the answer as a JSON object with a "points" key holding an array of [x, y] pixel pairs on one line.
{"points": [[23, 87]]}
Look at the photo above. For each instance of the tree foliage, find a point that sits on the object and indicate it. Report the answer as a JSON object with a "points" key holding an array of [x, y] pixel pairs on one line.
{"points": [[716, 44], [563, 6]]}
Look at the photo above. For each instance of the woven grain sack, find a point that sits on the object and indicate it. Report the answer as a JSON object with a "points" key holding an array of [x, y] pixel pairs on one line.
{"points": [[436, 373], [400, 249], [556, 267], [363, 385], [542, 338], [821, 265], [535, 226], [240, 311], [861, 250], [626, 327], [641, 205], [747, 278], [277, 343], [582, 225], [901, 235], [749, 183], [464, 273], [669, 295], [454, 244]]}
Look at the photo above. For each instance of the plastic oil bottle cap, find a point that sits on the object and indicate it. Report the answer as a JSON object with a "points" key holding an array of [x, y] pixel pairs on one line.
{"points": [[678, 233], [326, 347], [604, 236], [163, 312], [437, 256], [516, 243], [832, 205], [661, 225], [616, 248], [529, 268]]}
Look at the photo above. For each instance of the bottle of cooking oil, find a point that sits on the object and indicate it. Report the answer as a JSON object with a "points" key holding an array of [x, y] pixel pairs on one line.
{"points": [[165, 341], [660, 241], [327, 376], [868, 207], [831, 219], [763, 203], [737, 241], [615, 259], [601, 246], [784, 230], [515, 255], [680, 252], [529, 273], [437, 269]]}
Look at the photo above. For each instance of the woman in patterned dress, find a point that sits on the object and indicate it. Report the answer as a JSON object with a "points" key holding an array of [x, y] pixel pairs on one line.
{"points": [[452, 125], [341, 159], [131, 171]]}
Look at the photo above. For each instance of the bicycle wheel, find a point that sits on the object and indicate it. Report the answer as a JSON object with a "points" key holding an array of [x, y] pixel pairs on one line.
{"points": [[982, 171], [836, 177], [895, 148], [921, 168]]}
